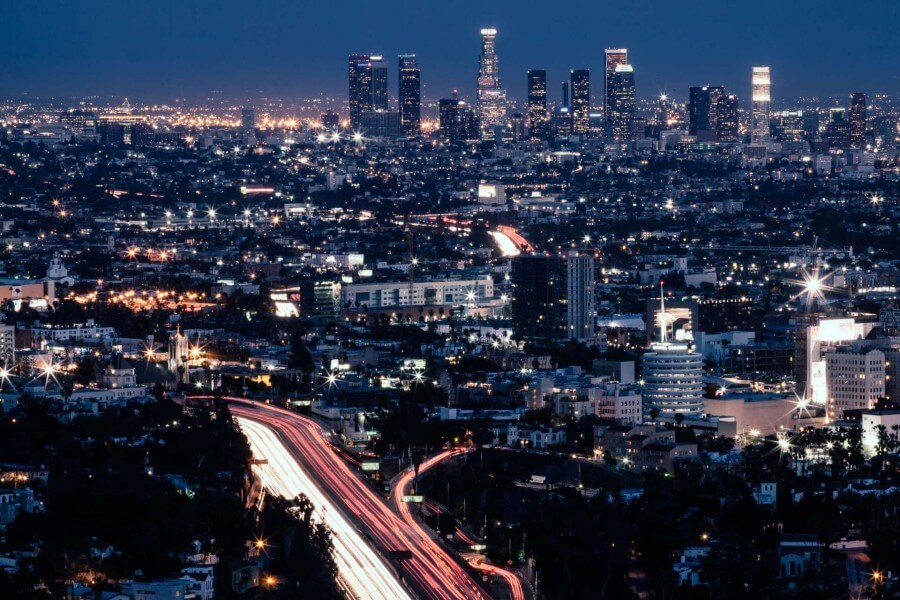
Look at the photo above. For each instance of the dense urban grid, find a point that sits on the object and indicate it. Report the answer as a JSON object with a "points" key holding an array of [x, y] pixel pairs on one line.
{"points": [[584, 344]]}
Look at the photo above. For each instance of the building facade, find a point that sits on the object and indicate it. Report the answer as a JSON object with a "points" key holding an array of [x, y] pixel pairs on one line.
{"points": [[410, 95], [491, 106], [759, 110]]}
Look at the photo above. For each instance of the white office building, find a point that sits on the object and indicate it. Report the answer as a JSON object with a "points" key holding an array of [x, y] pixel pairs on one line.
{"points": [[855, 380]]}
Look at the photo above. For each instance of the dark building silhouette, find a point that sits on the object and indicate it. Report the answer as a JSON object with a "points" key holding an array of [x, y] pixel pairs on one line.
{"points": [[857, 119], [457, 120], [613, 57], [410, 95]]}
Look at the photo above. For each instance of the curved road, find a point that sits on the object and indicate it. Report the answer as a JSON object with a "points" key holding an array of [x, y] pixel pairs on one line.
{"points": [[429, 568], [402, 485]]}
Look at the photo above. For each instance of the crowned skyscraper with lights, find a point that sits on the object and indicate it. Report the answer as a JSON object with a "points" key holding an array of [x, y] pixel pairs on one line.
{"points": [[491, 103]]}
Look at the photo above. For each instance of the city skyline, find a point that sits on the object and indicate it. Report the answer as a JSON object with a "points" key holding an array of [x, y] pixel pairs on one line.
{"points": [[53, 50]]}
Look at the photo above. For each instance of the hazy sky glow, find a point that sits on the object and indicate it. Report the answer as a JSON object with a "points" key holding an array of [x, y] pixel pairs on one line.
{"points": [[161, 49]]}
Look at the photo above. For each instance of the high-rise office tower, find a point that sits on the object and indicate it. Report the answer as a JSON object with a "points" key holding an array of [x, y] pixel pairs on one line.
{"points": [[248, 126], [565, 89], [673, 376], [410, 95], [491, 97], [553, 295], [538, 119], [580, 80], [613, 57], [838, 128], [705, 106], [857, 119], [622, 99], [792, 126], [368, 85], [457, 120], [727, 125], [759, 110], [580, 283]]}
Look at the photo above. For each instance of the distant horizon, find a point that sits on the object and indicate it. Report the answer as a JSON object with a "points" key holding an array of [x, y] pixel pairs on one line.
{"points": [[173, 49]]}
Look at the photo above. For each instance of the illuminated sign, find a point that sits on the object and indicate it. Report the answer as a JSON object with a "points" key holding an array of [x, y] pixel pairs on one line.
{"points": [[415, 499], [838, 330], [371, 465]]}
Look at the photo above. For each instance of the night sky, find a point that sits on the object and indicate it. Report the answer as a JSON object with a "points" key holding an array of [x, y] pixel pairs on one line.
{"points": [[162, 49]]}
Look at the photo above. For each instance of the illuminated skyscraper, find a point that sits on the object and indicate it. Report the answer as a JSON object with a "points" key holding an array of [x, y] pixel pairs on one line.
{"points": [[457, 120], [621, 96], [538, 119], [581, 100], [491, 97], [857, 119], [553, 295], [759, 111], [705, 106], [368, 89], [410, 95], [727, 125], [614, 57]]}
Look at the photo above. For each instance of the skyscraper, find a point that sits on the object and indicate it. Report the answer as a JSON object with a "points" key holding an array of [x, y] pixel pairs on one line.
{"points": [[614, 57], [838, 128], [759, 111], [857, 119], [580, 283], [538, 119], [727, 125], [622, 98], [457, 121], [368, 82], [410, 95], [581, 100], [491, 97], [709, 114], [553, 295]]}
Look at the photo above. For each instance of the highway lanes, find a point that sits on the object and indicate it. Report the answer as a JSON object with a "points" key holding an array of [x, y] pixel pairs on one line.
{"points": [[360, 567], [429, 569]]}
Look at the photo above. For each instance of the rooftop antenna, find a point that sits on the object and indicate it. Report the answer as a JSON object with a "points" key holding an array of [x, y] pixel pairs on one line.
{"points": [[662, 313]]}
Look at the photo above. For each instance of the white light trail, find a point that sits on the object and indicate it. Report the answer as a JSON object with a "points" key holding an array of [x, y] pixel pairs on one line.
{"points": [[359, 566], [507, 247]]}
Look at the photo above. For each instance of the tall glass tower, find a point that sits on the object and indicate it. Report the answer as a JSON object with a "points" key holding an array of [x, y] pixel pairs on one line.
{"points": [[581, 100], [857, 119], [759, 110], [622, 99], [537, 103], [613, 57], [491, 97], [368, 85], [410, 95]]}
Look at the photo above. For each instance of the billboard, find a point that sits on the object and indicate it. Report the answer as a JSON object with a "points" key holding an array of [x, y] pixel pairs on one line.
{"points": [[838, 330]]}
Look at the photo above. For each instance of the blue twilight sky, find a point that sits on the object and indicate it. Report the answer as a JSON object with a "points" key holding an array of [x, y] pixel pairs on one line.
{"points": [[161, 49]]}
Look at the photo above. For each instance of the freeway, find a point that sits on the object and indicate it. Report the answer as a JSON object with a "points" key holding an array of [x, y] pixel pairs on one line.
{"points": [[361, 570], [426, 565], [403, 484]]}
